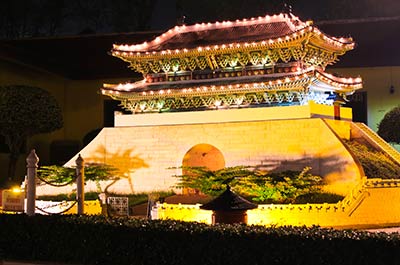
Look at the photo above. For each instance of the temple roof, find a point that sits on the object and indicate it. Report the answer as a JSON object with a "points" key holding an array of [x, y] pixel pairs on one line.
{"points": [[290, 88], [226, 32], [198, 35], [219, 36], [278, 81], [228, 201], [270, 32]]}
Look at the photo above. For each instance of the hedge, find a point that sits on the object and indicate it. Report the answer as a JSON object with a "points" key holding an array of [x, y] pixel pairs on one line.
{"points": [[101, 240]]}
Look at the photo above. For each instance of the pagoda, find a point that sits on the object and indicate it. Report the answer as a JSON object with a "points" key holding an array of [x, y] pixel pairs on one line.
{"points": [[250, 92], [274, 60]]}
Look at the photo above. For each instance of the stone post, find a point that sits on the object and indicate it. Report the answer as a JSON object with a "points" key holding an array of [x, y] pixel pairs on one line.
{"points": [[80, 180], [32, 163]]}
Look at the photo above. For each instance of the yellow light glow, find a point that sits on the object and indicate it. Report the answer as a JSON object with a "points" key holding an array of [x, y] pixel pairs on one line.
{"points": [[16, 190]]}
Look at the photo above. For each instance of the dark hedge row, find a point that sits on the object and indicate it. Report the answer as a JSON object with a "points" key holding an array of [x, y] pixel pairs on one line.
{"points": [[101, 240]]}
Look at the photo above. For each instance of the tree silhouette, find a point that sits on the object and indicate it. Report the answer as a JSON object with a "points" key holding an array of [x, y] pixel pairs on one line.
{"points": [[25, 111], [124, 162]]}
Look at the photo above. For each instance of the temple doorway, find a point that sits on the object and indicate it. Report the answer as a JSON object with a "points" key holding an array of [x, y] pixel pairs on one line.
{"points": [[202, 155], [358, 104]]}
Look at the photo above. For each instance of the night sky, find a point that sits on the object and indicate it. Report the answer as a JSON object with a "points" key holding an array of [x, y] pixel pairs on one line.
{"points": [[46, 18]]}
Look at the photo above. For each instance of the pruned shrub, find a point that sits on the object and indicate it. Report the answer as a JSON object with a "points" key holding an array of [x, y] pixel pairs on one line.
{"points": [[99, 240]]}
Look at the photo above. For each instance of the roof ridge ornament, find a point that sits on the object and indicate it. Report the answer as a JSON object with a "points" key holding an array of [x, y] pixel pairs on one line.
{"points": [[181, 20], [287, 9]]}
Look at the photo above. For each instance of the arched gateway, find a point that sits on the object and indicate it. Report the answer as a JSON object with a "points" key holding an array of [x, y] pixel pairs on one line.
{"points": [[202, 155]]}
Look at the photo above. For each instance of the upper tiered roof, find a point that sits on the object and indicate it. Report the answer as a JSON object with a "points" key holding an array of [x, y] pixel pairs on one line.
{"points": [[285, 36], [271, 29]]}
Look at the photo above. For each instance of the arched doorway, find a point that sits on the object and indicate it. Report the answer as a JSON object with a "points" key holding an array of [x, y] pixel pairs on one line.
{"points": [[202, 155]]}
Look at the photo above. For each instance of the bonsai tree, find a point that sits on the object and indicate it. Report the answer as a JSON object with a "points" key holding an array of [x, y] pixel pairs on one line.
{"points": [[25, 111], [389, 126], [258, 186], [212, 182]]}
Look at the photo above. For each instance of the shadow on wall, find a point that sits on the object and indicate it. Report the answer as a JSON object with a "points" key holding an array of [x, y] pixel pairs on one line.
{"points": [[336, 171], [321, 166], [126, 162]]}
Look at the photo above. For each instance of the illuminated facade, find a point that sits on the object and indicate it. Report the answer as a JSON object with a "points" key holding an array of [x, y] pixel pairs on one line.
{"points": [[250, 92], [222, 94], [266, 61]]}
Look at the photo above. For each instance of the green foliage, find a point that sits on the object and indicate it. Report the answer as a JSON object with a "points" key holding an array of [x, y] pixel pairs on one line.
{"points": [[56, 174], [211, 182], [26, 111], [62, 175], [389, 126], [123, 241], [376, 164], [99, 172], [281, 187]]}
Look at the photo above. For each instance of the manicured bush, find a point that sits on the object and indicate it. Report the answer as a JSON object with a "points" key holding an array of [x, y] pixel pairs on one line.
{"points": [[100, 240], [258, 186]]}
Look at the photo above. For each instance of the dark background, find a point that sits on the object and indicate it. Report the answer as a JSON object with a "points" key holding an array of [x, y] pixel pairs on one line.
{"points": [[44, 18]]}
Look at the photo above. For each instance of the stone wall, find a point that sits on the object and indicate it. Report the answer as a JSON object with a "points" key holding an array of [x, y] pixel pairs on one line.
{"points": [[145, 154], [373, 203]]}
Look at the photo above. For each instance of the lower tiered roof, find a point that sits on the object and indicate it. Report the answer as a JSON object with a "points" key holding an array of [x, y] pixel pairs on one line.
{"points": [[280, 88]]}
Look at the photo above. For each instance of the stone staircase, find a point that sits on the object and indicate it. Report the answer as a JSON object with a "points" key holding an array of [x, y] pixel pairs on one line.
{"points": [[376, 140]]}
